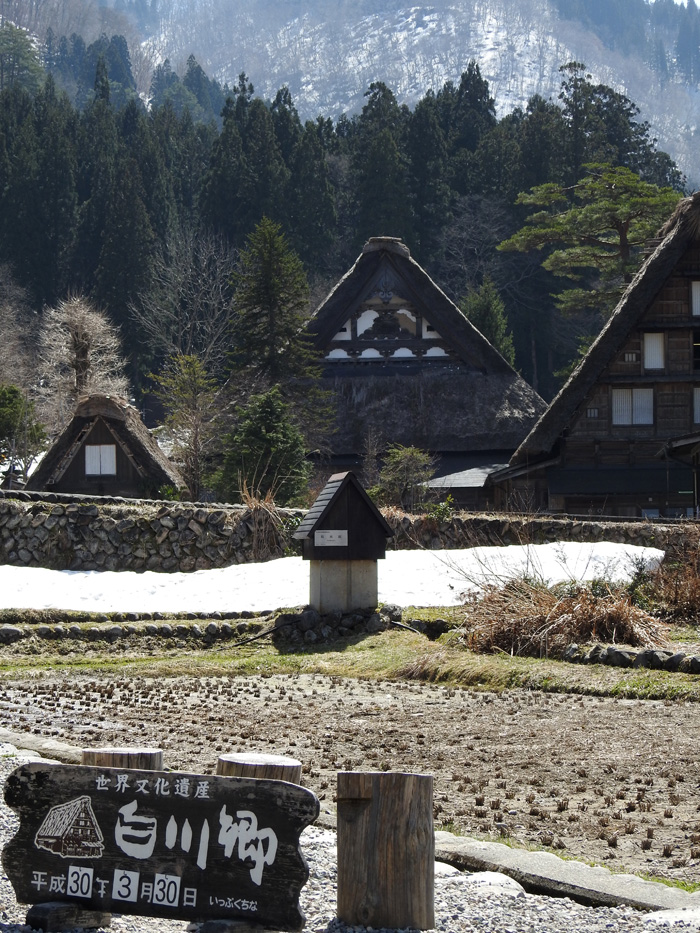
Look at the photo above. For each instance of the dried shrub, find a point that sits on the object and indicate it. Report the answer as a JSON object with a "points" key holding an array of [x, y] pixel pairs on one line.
{"points": [[265, 525], [527, 618]]}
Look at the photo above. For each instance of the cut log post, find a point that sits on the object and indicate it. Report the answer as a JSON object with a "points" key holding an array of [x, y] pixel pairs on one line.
{"points": [[268, 767], [139, 759], [386, 850]]}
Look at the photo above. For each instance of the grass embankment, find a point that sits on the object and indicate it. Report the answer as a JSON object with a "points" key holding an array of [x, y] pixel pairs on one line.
{"points": [[393, 655]]}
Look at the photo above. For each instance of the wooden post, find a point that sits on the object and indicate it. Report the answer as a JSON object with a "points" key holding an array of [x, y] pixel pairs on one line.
{"points": [[386, 850], [267, 767], [139, 759]]}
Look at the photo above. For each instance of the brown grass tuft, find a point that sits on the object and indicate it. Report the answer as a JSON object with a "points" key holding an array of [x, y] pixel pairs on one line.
{"points": [[525, 618]]}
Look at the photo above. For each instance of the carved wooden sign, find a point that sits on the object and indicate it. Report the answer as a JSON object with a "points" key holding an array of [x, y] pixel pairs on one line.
{"points": [[162, 844]]}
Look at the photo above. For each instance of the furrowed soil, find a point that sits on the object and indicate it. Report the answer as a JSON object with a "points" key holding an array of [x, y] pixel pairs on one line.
{"points": [[613, 781]]}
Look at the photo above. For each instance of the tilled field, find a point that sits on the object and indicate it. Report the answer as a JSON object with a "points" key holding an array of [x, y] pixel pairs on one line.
{"points": [[614, 781]]}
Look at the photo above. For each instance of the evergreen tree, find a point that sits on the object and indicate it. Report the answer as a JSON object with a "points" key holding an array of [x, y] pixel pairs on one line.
{"points": [[19, 62], [264, 174], [597, 231], [380, 168], [220, 201], [485, 309], [97, 157], [271, 305], [403, 477], [265, 454], [311, 215], [427, 150], [21, 435], [286, 123], [474, 110], [123, 270], [383, 193]]}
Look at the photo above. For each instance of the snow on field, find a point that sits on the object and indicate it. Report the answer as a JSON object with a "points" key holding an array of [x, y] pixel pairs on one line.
{"points": [[406, 578]]}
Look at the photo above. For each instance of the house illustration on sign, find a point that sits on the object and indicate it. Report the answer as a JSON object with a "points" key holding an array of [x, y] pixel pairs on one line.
{"points": [[71, 831]]}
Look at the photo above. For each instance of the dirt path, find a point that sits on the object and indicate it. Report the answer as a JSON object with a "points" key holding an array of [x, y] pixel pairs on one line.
{"points": [[614, 781]]}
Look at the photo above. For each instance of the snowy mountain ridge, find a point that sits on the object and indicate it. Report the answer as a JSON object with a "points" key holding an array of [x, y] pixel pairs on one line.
{"points": [[329, 53]]}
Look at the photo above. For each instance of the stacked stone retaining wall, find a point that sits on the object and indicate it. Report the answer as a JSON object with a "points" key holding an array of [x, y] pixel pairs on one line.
{"points": [[80, 533]]}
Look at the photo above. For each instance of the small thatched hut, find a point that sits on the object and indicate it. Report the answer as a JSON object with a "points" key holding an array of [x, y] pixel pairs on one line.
{"points": [[106, 450]]}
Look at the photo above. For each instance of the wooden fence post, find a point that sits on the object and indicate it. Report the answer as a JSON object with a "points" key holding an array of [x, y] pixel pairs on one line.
{"points": [[253, 765], [386, 850]]}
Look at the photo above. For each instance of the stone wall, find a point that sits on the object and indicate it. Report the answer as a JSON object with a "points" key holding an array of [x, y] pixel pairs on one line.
{"points": [[81, 533], [74, 533]]}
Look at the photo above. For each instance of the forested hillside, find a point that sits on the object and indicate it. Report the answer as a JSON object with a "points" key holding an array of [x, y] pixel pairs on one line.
{"points": [[96, 196]]}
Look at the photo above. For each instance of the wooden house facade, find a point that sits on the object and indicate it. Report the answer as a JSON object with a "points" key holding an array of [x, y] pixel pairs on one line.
{"points": [[405, 366], [618, 438], [106, 450]]}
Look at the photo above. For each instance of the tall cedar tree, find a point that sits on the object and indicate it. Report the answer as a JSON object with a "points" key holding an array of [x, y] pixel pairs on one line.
{"points": [[271, 303], [485, 309]]}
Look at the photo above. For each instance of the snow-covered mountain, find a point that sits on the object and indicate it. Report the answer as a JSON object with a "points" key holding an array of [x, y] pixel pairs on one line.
{"points": [[329, 51]]}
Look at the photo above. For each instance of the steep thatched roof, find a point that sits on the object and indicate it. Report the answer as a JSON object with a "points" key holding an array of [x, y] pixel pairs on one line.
{"points": [[129, 431], [677, 234], [471, 400]]}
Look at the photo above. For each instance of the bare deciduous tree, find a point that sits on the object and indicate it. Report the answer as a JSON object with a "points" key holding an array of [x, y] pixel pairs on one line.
{"points": [[79, 354], [189, 307]]}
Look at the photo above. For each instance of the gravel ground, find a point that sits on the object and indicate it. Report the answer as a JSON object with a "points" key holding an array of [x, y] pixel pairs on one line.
{"points": [[464, 902]]}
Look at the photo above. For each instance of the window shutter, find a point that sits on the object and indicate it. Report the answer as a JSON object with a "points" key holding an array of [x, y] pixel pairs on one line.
{"points": [[695, 298], [622, 406], [92, 460], [654, 351], [108, 459], [643, 406], [696, 405]]}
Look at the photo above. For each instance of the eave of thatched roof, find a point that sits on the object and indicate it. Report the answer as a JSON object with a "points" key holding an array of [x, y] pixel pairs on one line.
{"points": [[126, 424], [439, 408], [677, 234]]}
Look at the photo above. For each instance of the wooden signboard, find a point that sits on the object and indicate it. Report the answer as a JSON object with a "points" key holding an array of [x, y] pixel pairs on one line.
{"points": [[161, 844]]}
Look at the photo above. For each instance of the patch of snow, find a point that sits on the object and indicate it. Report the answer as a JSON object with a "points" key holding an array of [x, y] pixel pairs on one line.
{"points": [[406, 578]]}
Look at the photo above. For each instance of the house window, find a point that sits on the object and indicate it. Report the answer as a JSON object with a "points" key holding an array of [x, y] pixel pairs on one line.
{"points": [[653, 351], [695, 298], [696, 405], [100, 460], [591, 413], [632, 406], [631, 357]]}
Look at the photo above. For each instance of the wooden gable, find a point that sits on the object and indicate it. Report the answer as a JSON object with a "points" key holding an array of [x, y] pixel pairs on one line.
{"points": [[343, 523]]}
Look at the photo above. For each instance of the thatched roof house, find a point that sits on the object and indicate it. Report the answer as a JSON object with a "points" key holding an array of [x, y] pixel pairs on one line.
{"points": [[405, 364], [600, 444], [106, 450]]}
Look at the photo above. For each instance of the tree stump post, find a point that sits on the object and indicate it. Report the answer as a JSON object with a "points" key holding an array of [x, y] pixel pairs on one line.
{"points": [[254, 765], [139, 759], [386, 850]]}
